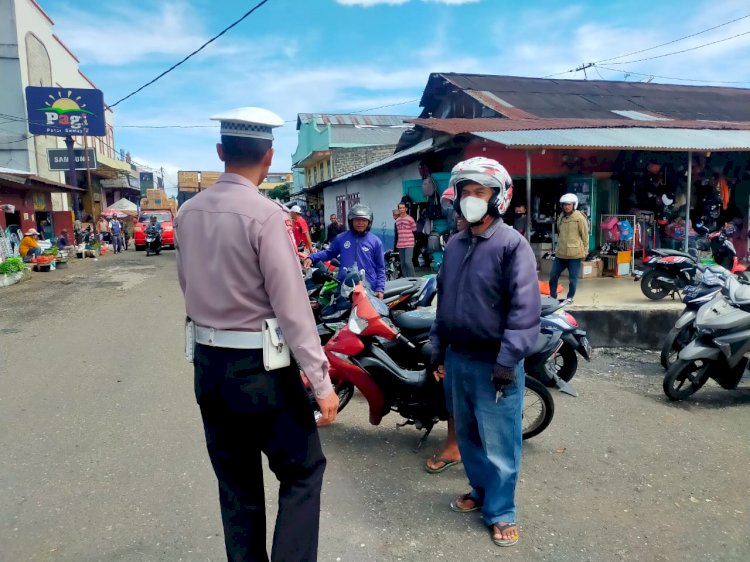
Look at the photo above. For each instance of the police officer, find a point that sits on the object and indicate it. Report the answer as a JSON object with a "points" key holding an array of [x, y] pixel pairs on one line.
{"points": [[237, 267], [488, 267]]}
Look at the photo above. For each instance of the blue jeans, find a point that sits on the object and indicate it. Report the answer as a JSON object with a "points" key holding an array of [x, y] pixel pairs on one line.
{"points": [[560, 265], [489, 432]]}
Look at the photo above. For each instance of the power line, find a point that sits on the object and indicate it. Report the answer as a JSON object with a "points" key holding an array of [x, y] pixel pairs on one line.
{"points": [[588, 65], [198, 50], [684, 50], [675, 40], [625, 70]]}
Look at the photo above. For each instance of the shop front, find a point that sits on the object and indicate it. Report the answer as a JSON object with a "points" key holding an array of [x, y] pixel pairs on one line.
{"points": [[637, 193], [28, 201]]}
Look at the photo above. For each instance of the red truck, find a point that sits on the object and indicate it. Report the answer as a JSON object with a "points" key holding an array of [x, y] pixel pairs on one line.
{"points": [[164, 217]]}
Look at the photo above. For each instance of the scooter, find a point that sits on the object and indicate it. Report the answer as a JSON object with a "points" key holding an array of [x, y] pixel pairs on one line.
{"points": [[153, 241], [666, 272], [392, 265], [556, 369], [720, 348], [362, 354], [712, 279]]}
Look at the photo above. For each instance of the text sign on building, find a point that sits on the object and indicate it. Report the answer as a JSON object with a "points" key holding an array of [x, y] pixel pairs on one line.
{"points": [[65, 111], [147, 182], [58, 159]]}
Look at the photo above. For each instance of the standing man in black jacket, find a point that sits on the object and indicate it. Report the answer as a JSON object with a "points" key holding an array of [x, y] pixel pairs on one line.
{"points": [[491, 268]]}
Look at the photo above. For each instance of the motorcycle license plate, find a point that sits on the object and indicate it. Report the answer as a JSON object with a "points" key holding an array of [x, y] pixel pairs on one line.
{"points": [[586, 346], [637, 274]]}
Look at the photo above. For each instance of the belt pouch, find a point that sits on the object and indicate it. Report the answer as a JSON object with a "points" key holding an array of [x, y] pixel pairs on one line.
{"points": [[275, 351]]}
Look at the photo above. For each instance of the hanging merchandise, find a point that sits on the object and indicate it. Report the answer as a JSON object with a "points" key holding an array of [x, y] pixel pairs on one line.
{"points": [[428, 186], [625, 229], [611, 230]]}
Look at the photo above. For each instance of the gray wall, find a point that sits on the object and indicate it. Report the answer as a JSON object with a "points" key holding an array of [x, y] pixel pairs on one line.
{"points": [[13, 155]]}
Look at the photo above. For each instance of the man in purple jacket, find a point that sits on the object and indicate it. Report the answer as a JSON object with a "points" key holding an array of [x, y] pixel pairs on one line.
{"points": [[490, 268]]}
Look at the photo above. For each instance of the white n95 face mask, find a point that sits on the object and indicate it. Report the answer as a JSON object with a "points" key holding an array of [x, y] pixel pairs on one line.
{"points": [[473, 208]]}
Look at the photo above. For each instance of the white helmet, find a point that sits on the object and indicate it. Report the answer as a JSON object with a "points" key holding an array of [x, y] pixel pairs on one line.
{"points": [[486, 172], [569, 198]]}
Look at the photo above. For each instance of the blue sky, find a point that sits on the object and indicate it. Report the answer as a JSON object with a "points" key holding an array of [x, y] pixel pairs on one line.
{"points": [[339, 56]]}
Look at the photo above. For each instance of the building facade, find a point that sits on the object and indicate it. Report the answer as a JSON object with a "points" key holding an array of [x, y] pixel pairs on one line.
{"points": [[31, 54]]}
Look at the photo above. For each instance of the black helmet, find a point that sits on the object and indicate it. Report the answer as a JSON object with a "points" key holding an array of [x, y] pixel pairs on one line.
{"points": [[360, 211], [153, 218]]}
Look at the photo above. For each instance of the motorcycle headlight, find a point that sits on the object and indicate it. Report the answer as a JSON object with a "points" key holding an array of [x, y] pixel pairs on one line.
{"points": [[357, 325]]}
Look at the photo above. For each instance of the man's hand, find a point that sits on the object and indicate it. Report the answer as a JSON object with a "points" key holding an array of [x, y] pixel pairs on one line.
{"points": [[502, 377], [329, 406], [380, 295], [439, 373], [307, 264]]}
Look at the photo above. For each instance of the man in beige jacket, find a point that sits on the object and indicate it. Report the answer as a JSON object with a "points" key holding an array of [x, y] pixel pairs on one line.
{"points": [[572, 245]]}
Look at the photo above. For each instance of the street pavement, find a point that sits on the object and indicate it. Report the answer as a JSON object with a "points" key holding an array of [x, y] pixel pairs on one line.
{"points": [[103, 455]]}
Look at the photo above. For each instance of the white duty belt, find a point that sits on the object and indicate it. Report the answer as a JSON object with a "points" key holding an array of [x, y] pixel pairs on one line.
{"points": [[231, 339]]}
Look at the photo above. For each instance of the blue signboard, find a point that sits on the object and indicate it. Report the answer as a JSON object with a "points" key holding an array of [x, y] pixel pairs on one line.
{"points": [[65, 111]]}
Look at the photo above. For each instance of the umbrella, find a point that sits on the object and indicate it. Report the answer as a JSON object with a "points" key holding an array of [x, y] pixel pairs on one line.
{"points": [[109, 213]]}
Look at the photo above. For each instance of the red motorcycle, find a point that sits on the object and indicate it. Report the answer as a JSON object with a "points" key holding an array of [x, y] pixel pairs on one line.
{"points": [[392, 371]]}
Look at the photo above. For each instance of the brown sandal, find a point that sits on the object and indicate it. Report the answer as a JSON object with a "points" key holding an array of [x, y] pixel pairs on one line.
{"points": [[460, 499]]}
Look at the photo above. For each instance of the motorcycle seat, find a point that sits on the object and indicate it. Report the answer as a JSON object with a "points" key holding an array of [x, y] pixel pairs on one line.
{"points": [[415, 320], [739, 293], [399, 286], [550, 305], [665, 253]]}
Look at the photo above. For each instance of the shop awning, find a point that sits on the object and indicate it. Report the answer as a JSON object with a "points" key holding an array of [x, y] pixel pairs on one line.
{"points": [[629, 138], [18, 179]]}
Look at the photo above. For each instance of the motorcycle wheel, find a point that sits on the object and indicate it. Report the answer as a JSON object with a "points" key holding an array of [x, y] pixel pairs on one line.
{"points": [[564, 364], [650, 289], [344, 390], [538, 408], [685, 378], [675, 341]]}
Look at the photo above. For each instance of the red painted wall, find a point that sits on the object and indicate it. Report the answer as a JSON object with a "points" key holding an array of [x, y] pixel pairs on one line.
{"points": [[551, 163]]}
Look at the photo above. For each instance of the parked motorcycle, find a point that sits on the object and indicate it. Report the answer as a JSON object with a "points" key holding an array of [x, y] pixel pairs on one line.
{"points": [[392, 265], [556, 369], [711, 280], [720, 347], [666, 272], [670, 271], [391, 370]]}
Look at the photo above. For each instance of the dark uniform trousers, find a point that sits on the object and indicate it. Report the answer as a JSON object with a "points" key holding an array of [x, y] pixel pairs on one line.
{"points": [[247, 410]]}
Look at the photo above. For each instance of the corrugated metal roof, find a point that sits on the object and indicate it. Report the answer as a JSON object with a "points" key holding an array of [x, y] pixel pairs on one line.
{"points": [[342, 119], [631, 138], [366, 136], [552, 98], [418, 148], [458, 126]]}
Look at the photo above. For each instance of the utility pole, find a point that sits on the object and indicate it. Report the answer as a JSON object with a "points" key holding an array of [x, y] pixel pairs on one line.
{"points": [[584, 67], [161, 174], [72, 179]]}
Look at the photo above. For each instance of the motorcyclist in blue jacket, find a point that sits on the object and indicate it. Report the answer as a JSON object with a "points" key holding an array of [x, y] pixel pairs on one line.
{"points": [[357, 246]]}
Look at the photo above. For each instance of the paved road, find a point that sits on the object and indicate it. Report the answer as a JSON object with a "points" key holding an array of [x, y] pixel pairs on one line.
{"points": [[103, 455]]}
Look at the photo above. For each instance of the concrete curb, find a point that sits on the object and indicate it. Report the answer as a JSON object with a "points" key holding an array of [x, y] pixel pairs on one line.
{"points": [[639, 328]]}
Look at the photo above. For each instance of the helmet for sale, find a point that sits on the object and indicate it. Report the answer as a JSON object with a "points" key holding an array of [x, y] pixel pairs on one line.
{"points": [[487, 172], [360, 211], [569, 198]]}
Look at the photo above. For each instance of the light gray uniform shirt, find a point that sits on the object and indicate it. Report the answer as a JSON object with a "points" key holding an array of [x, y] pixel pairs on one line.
{"points": [[237, 267]]}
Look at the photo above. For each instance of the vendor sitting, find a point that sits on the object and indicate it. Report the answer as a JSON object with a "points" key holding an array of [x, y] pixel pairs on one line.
{"points": [[63, 242], [29, 247]]}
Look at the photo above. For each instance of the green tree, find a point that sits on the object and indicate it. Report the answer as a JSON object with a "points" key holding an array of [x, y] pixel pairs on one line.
{"points": [[281, 192]]}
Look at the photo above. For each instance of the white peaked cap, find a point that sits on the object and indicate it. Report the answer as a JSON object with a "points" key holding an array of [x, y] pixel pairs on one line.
{"points": [[249, 122]]}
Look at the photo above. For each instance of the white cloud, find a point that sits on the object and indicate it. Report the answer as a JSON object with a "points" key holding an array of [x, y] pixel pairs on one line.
{"points": [[125, 34]]}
